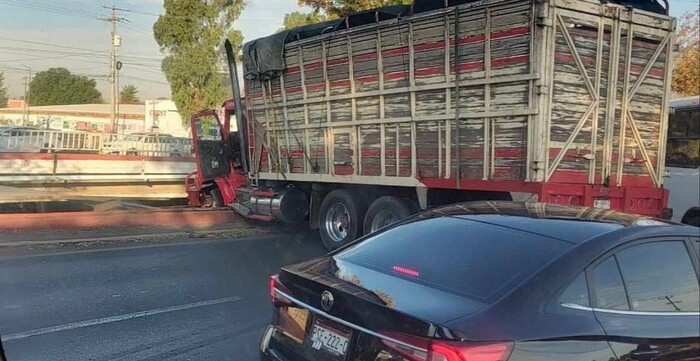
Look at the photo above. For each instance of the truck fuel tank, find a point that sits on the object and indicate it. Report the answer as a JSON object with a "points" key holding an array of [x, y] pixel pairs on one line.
{"points": [[289, 205]]}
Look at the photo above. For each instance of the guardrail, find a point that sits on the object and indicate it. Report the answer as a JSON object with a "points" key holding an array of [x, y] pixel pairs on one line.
{"points": [[54, 141]]}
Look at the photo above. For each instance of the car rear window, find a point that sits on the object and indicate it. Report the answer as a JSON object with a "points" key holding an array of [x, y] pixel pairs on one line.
{"points": [[477, 260]]}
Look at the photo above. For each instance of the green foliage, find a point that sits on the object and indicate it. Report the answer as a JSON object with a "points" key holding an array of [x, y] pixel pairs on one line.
{"points": [[297, 19], [129, 95], [339, 8], [58, 86], [686, 72], [191, 34], [3, 91]]}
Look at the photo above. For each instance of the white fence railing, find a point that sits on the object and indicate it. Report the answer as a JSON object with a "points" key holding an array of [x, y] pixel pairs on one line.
{"points": [[53, 141]]}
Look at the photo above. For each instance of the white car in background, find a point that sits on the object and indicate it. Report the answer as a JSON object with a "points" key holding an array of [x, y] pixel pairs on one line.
{"points": [[683, 160], [146, 144]]}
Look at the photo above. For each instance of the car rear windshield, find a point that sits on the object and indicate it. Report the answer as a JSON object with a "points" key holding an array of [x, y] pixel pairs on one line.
{"points": [[477, 260]]}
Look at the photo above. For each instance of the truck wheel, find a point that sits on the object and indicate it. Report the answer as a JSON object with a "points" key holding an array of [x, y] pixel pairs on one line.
{"points": [[385, 211], [340, 218]]}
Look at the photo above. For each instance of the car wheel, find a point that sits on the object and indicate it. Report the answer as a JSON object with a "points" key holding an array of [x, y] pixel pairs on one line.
{"points": [[340, 218], [385, 211]]}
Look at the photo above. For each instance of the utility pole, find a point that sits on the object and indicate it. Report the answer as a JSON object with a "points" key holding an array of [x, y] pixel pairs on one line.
{"points": [[115, 42], [25, 108]]}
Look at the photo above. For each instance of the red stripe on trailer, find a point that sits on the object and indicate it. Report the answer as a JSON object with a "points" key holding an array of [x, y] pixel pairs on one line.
{"points": [[588, 60], [471, 39], [396, 75], [366, 79], [364, 57], [315, 87], [394, 52], [429, 46], [470, 66], [436, 70], [313, 66], [292, 70], [509, 33], [495, 63], [340, 83], [293, 89], [339, 61], [344, 170]]}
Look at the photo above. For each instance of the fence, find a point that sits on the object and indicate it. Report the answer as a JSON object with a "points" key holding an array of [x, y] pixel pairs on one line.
{"points": [[53, 141]]}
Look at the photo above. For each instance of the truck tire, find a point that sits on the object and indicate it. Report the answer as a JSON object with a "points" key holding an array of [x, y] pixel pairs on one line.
{"points": [[340, 218], [385, 211]]}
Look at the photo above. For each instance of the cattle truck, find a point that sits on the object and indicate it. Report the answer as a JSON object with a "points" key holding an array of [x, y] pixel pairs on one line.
{"points": [[354, 123]]}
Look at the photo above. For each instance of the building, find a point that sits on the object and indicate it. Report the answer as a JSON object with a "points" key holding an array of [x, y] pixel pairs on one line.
{"points": [[161, 116], [15, 103]]}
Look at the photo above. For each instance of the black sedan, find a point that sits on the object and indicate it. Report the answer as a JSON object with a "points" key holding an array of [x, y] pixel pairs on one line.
{"points": [[496, 281]]}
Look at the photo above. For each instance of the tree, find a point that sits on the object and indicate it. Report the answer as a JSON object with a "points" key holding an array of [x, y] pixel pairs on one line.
{"points": [[129, 95], [296, 19], [59, 86], [191, 34], [3, 91], [686, 73], [339, 8]]}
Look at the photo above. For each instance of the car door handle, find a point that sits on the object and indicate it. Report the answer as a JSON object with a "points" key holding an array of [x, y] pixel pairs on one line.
{"points": [[644, 355]]}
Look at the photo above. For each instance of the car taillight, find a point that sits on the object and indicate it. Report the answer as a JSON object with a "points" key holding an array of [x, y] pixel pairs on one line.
{"points": [[275, 297], [461, 351], [416, 348]]}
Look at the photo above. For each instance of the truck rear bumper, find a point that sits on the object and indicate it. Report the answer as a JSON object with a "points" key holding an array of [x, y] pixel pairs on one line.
{"points": [[648, 201]]}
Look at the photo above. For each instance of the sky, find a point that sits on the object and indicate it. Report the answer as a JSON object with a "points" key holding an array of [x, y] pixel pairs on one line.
{"points": [[40, 34]]}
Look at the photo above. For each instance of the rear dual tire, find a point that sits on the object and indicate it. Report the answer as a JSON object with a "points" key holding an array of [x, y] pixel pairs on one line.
{"points": [[341, 218], [387, 210], [345, 216]]}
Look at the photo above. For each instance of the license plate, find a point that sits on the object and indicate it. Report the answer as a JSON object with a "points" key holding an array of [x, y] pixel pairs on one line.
{"points": [[601, 203], [329, 339]]}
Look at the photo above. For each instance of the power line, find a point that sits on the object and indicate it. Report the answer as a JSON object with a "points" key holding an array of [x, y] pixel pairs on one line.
{"points": [[48, 44], [51, 9], [46, 57]]}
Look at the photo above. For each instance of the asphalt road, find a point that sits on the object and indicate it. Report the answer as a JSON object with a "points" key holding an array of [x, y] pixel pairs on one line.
{"points": [[198, 300]]}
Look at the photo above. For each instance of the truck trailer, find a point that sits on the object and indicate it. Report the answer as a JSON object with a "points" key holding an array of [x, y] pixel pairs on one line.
{"points": [[355, 123]]}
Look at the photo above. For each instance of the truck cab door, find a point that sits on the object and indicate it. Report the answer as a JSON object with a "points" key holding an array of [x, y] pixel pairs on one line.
{"points": [[210, 145]]}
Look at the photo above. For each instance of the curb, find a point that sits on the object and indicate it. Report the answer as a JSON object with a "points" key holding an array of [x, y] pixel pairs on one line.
{"points": [[173, 218], [134, 237]]}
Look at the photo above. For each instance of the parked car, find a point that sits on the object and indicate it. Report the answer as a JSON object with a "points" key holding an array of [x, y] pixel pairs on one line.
{"points": [[148, 144], [496, 281]]}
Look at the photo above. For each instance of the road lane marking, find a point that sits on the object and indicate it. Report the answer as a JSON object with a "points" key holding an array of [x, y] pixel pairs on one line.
{"points": [[117, 318]]}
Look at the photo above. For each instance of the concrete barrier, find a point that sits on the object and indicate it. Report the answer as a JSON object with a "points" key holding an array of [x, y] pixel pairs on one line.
{"points": [[167, 218], [97, 174]]}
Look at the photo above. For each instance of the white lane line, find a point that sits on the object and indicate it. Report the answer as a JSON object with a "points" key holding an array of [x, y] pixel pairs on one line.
{"points": [[117, 318]]}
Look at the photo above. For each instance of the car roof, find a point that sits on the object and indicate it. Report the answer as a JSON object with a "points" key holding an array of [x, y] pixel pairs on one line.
{"points": [[565, 223]]}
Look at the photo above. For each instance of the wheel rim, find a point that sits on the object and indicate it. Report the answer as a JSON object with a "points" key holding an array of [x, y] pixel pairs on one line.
{"points": [[337, 222], [381, 220]]}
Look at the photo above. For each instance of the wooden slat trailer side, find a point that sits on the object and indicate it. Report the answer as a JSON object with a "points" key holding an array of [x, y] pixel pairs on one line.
{"points": [[561, 99]]}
